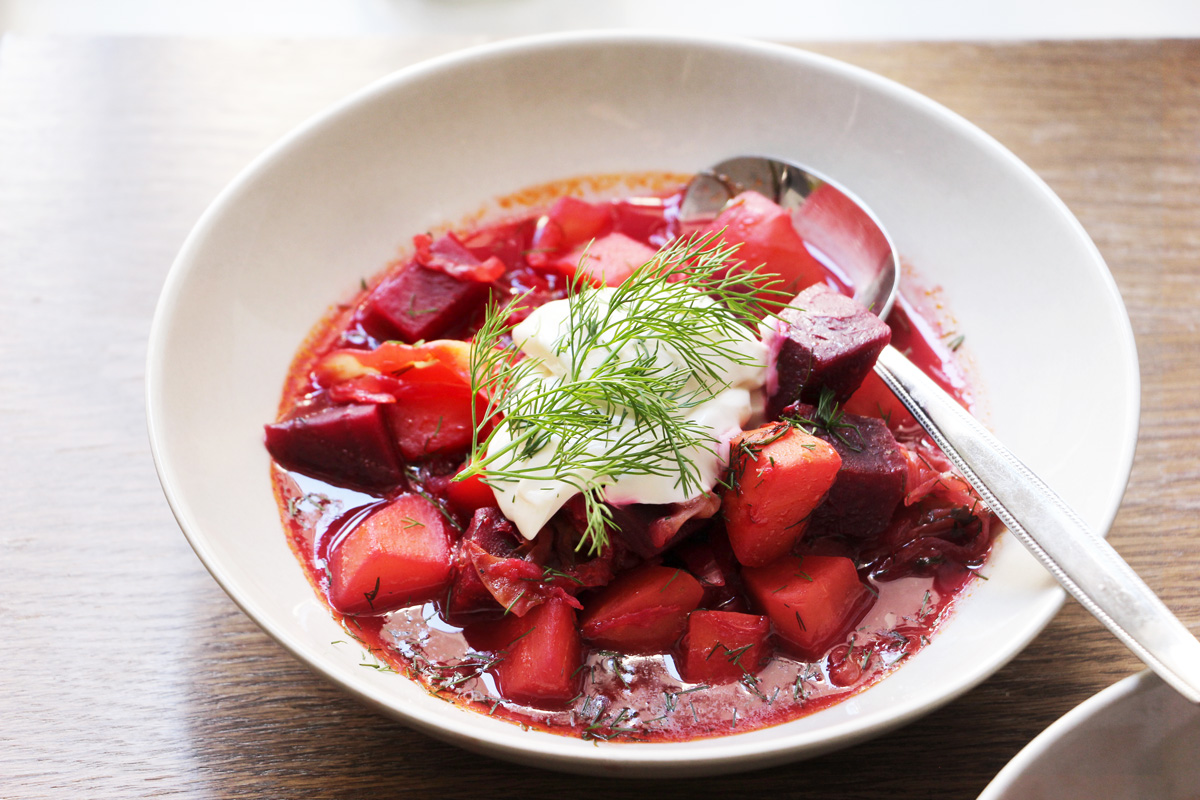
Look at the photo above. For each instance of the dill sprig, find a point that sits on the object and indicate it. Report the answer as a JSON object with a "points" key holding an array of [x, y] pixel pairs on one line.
{"points": [[621, 383]]}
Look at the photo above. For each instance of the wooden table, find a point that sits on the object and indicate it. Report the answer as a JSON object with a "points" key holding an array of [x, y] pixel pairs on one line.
{"points": [[126, 672]]}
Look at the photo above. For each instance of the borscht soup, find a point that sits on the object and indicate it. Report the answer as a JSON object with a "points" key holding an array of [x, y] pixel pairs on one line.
{"points": [[595, 471]]}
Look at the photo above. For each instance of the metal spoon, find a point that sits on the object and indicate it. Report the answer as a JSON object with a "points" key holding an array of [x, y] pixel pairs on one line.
{"points": [[1086, 565]]}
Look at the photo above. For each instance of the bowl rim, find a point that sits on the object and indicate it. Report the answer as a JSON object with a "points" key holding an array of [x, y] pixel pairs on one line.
{"points": [[736, 752], [1098, 704]]}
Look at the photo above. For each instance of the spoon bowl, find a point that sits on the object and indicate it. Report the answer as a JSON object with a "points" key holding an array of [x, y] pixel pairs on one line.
{"points": [[850, 241]]}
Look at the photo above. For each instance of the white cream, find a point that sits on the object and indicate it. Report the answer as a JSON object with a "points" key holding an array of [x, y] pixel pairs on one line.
{"points": [[530, 503]]}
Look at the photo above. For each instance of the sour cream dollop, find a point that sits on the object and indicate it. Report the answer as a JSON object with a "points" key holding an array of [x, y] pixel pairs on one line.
{"points": [[731, 401]]}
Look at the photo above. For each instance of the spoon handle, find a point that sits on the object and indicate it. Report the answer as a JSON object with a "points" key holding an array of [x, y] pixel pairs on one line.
{"points": [[1086, 565]]}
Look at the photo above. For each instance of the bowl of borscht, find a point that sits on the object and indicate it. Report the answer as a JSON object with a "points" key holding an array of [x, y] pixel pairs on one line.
{"points": [[451, 400]]}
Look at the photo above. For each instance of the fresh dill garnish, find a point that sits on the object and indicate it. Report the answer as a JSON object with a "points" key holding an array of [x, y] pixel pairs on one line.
{"points": [[924, 610], [550, 573], [674, 575], [614, 389], [514, 602]]}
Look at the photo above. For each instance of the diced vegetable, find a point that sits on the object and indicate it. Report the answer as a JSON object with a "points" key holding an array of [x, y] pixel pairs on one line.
{"points": [[470, 494], [642, 611], [424, 392], [812, 602], [723, 646], [540, 664], [420, 303], [399, 556], [778, 476], [870, 483], [348, 445], [608, 261], [767, 237], [828, 341], [428, 420], [570, 223]]}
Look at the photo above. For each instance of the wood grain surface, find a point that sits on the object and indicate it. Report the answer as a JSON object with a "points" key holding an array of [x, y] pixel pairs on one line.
{"points": [[125, 671]]}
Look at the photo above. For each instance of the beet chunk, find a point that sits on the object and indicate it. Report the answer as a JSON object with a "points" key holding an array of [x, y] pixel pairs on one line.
{"points": [[723, 646], [779, 475], [398, 556], [870, 483], [828, 341], [348, 445], [813, 602], [540, 665], [642, 611], [424, 303]]}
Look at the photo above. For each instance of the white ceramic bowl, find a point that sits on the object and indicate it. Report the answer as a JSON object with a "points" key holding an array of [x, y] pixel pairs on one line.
{"points": [[430, 144], [1137, 739]]}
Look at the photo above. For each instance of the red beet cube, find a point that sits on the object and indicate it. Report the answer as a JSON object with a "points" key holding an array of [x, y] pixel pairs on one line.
{"points": [[642, 611], [608, 261], [430, 419], [778, 476], [470, 494], [723, 646], [870, 482], [540, 663], [398, 556], [828, 341], [421, 303], [813, 602], [348, 445]]}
